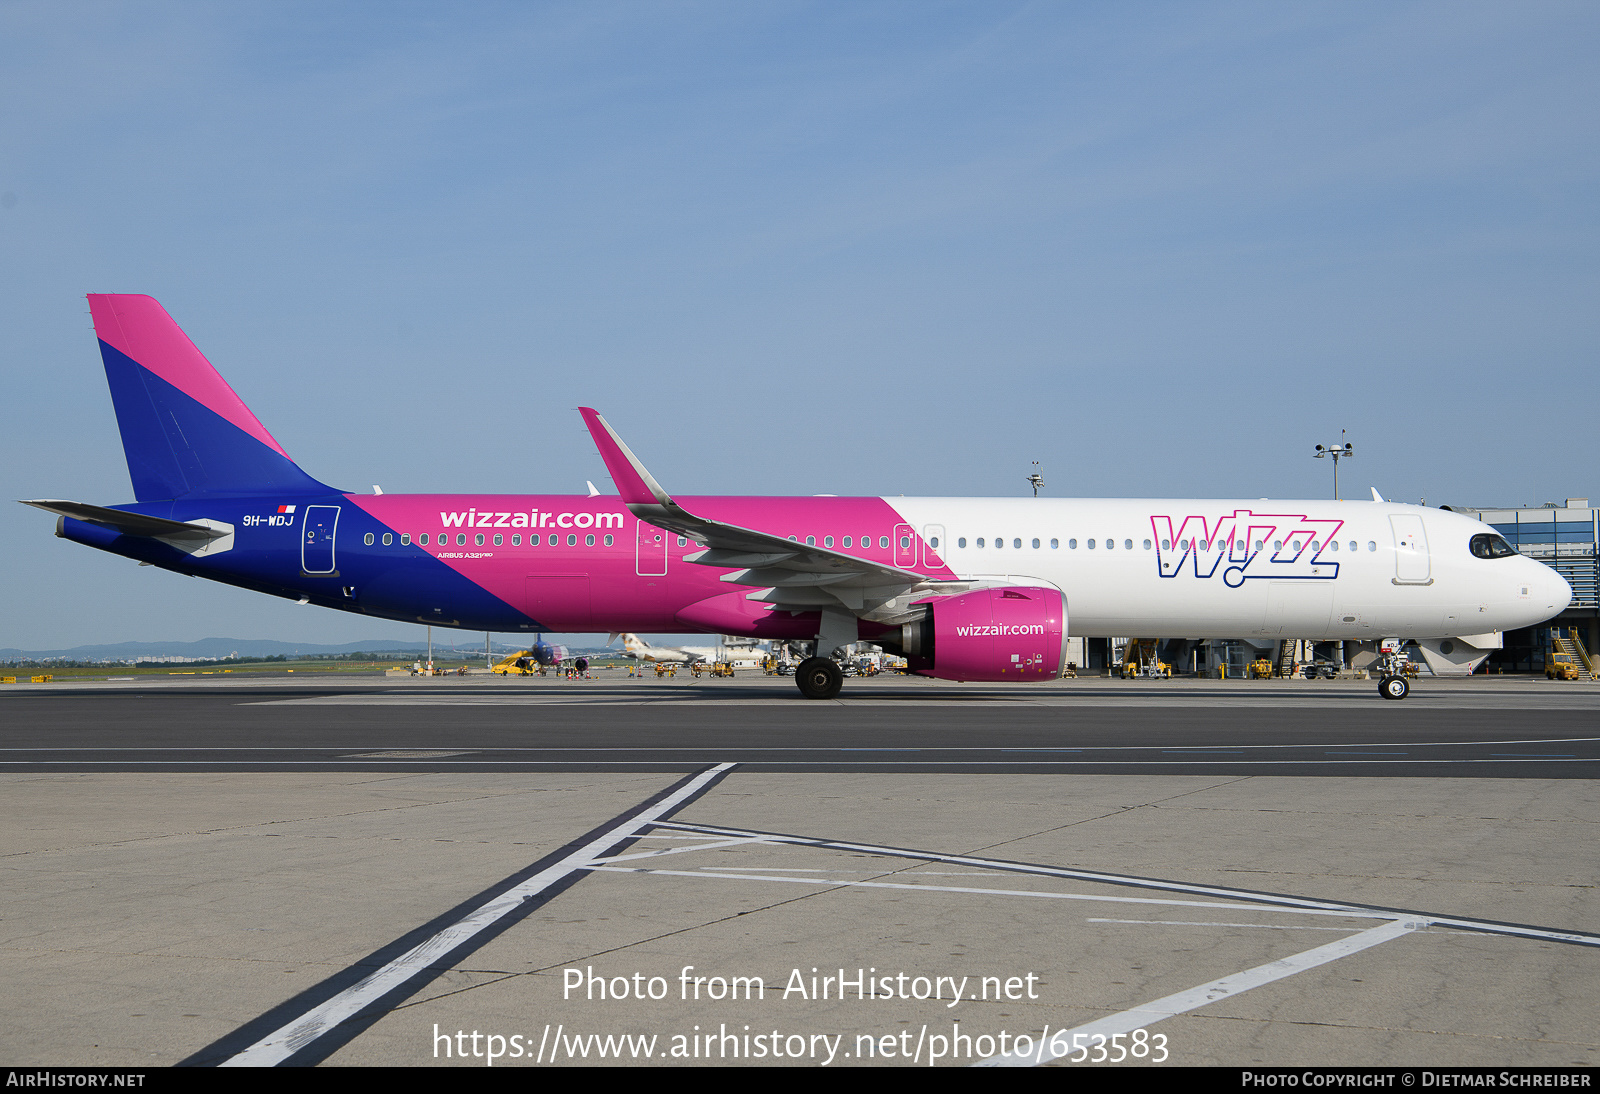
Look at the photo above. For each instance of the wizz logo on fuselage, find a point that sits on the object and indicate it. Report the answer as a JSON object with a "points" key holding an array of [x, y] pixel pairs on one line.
{"points": [[1244, 545]]}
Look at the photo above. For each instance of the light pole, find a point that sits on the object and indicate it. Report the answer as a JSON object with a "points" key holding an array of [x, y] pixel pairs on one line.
{"points": [[1036, 480], [1337, 452]]}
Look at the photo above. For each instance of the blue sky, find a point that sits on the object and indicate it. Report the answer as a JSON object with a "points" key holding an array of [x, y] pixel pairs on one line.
{"points": [[1164, 249]]}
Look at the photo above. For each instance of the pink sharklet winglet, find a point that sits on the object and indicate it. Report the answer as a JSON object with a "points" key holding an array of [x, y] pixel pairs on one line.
{"points": [[140, 328], [634, 483]]}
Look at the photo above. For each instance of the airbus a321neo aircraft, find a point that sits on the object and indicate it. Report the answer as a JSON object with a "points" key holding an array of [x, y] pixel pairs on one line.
{"points": [[980, 589]]}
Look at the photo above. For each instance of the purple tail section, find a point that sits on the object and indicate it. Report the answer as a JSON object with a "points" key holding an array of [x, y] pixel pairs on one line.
{"points": [[184, 431]]}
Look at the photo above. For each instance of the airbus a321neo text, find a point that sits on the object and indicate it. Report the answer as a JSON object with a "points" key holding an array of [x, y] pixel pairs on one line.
{"points": [[981, 589]]}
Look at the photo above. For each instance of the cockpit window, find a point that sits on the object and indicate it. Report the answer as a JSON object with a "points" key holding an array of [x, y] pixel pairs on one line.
{"points": [[1489, 545]]}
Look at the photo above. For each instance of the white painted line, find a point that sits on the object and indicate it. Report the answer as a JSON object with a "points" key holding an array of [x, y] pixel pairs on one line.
{"points": [[675, 851], [1264, 900], [296, 1035], [1184, 1001], [806, 748], [1182, 923], [851, 761], [826, 882]]}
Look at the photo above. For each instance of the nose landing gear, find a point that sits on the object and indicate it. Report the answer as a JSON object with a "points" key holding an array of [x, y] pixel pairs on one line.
{"points": [[1392, 670], [1394, 687]]}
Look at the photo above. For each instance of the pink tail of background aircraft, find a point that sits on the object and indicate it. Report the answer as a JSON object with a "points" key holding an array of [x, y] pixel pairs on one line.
{"points": [[964, 588]]}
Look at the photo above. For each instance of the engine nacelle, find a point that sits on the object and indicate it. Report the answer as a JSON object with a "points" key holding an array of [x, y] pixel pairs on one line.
{"points": [[1010, 633]]}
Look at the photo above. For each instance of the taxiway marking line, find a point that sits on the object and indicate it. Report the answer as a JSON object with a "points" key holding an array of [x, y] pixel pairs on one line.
{"points": [[295, 1035], [1184, 1001], [1264, 900], [980, 890], [1174, 762]]}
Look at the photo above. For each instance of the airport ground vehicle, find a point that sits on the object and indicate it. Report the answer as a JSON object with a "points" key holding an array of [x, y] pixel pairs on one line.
{"points": [[1559, 666], [1141, 658], [968, 589]]}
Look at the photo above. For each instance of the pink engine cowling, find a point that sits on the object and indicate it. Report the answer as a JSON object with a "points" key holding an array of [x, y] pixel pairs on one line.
{"points": [[1012, 633]]}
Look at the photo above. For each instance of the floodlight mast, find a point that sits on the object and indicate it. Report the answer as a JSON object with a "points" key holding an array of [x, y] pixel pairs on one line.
{"points": [[1036, 480], [1336, 451]]}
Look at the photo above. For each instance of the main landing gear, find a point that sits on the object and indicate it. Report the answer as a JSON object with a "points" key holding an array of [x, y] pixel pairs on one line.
{"points": [[819, 678], [1394, 687]]}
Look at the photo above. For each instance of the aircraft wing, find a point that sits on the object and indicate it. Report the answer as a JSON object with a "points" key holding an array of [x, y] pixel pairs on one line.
{"points": [[796, 576]]}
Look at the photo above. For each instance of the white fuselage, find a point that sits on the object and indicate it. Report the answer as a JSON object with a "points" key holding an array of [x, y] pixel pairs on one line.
{"points": [[1243, 569]]}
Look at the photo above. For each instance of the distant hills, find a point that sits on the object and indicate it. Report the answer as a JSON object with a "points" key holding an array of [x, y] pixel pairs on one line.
{"points": [[215, 649]]}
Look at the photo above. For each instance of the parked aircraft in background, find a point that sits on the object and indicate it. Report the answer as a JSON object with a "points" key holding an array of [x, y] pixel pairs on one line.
{"points": [[963, 588], [737, 651], [635, 647]]}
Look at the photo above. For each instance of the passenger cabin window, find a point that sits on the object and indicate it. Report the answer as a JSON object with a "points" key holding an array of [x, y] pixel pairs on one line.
{"points": [[1055, 545], [477, 540], [1146, 545], [588, 540], [461, 539], [367, 539], [572, 541], [387, 539], [1072, 545], [1017, 543], [516, 539], [980, 541], [962, 542], [1035, 545], [1090, 544], [423, 539], [847, 541], [533, 539], [405, 539], [499, 540], [1127, 545], [610, 540], [883, 543], [1372, 545], [827, 541]]}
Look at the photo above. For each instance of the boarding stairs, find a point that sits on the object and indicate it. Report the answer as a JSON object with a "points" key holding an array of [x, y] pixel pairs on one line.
{"points": [[1286, 651], [1573, 647]]}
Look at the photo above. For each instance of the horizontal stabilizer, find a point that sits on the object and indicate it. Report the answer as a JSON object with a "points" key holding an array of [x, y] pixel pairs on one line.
{"points": [[129, 524]]}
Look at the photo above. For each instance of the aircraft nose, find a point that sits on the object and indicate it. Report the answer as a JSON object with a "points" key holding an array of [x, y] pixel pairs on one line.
{"points": [[1560, 593], [1551, 592]]}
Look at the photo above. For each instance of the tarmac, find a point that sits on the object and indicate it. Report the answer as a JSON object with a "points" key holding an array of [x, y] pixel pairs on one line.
{"points": [[408, 899]]}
